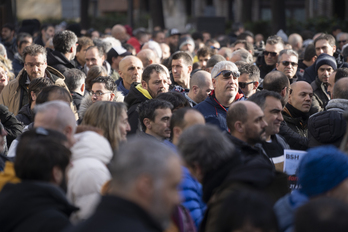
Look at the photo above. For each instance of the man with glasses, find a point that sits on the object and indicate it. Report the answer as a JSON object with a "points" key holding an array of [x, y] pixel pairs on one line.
{"points": [[267, 61], [249, 79], [342, 39], [214, 108], [287, 64], [15, 95]]}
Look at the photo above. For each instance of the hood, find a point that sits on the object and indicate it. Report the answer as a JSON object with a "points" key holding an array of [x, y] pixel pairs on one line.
{"points": [[99, 149], [54, 58], [261, 64], [39, 196], [134, 96]]}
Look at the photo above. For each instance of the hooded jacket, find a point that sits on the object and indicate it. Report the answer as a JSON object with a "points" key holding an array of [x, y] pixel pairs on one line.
{"points": [[213, 112], [264, 68], [33, 206], [58, 61], [88, 172]]}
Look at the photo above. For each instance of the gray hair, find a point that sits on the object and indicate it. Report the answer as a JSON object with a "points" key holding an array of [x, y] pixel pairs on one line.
{"points": [[140, 156], [35, 50], [64, 115], [206, 146], [288, 52], [64, 40], [156, 48], [223, 65], [3, 51], [114, 42], [244, 55]]}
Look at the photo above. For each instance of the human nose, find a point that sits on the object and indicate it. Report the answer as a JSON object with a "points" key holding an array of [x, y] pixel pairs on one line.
{"points": [[128, 128], [264, 123], [280, 117]]}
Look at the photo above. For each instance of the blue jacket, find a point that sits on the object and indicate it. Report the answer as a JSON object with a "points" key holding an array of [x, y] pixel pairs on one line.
{"points": [[213, 112], [191, 193], [121, 88]]}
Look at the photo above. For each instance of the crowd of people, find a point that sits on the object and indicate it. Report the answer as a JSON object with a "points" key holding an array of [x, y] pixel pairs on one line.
{"points": [[128, 130]]}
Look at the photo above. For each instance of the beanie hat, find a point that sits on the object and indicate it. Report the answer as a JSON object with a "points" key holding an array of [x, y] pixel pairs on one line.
{"points": [[186, 40], [322, 169], [325, 59]]}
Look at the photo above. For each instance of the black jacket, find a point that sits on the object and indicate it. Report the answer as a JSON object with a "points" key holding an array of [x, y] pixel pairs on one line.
{"points": [[264, 68], [77, 98], [133, 99], [34, 206], [320, 96], [117, 214], [12, 126], [25, 115], [58, 61]]}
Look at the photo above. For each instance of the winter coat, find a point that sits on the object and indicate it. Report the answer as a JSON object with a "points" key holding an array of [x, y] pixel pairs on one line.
{"points": [[12, 126], [90, 155], [320, 96], [299, 125], [77, 98], [118, 214], [213, 112], [25, 115], [32, 206], [264, 68], [17, 64], [58, 61]]}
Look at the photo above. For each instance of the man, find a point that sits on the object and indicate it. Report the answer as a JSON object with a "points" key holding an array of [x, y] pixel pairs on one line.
{"points": [[243, 44], [249, 79], [38, 202], [201, 86], [225, 52], [324, 66], [241, 54], [273, 145], [287, 64], [147, 57], [329, 127], [95, 55], [334, 77], [267, 62], [154, 81], [156, 48], [8, 39], [295, 40], [181, 69], [296, 111], [203, 55], [23, 40], [15, 94], [158, 36], [143, 189], [114, 57], [213, 61], [342, 39], [119, 32], [276, 81], [154, 117], [75, 80], [165, 51], [47, 32], [172, 39], [186, 44], [226, 91], [61, 58], [130, 70], [80, 57], [308, 60]]}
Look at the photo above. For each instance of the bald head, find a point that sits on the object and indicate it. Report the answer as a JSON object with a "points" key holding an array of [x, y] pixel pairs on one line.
{"points": [[130, 70], [119, 32], [200, 86], [295, 40], [340, 90], [147, 57], [300, 96], [277, 81]]}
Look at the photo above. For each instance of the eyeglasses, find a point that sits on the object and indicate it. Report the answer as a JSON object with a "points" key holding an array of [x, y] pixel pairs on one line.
{"points": [[212, 47], [98, 93], [265, 53], [227, 73], [31, 65], [342, 41], [244, 84], [286, 63]]}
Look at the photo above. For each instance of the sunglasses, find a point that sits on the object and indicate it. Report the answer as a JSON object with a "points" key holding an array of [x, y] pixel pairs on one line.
{"points": [[342, 41], [212, 47], [286, 63], [244, 84], [265, 53], [227, 73]]}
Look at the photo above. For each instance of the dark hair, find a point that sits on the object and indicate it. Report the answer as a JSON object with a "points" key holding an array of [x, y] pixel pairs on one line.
{"points": [[252, 70], [64, 40], [177, 118], [34, 50], [9, 26], [237, 112], [309, 52], [37, 85], [38, 151], [74, 79], [109, 83], [244, 35], [99, 48], [259, 97], [46, 26], [150, 69], [329, 38], [21, 39], [187, 58], [345, 53], [155, 33], [62, 94], [84, 41], [340, 89], [275, 39], [245, 208], [276, 81], [205, 51], [177, 99], [340, 73], [147, 109], [197, 35], [248, 46]]}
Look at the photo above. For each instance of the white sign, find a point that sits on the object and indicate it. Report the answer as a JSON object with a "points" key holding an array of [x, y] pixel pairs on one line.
{"points": [[292, 160]]}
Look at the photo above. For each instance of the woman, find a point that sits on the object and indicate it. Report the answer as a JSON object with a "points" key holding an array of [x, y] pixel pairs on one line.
{"points": [[112, 118]]}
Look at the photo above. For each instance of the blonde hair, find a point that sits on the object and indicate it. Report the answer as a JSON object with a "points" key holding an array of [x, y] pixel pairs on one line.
{"points": [[10, 74], [93, 73], [106, 116]]}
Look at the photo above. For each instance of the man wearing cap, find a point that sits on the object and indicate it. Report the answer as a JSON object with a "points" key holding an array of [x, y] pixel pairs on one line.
{"points": [[322, 171], [173, 39], [324, 66], [114, 56], [187, 44]]}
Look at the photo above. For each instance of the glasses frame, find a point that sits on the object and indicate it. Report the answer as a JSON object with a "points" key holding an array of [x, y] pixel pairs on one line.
{"points": [[227, 73]]}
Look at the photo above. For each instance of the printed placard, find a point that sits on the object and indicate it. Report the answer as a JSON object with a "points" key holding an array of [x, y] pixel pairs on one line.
{"points": [[291, 163]]}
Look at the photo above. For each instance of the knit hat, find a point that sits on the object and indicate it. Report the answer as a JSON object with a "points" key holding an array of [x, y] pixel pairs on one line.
{"points": [[322, 169], [186, 40], [325, 59]]}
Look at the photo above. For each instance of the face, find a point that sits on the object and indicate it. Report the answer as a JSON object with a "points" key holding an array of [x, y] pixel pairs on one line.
{"points": [[35, 66], [225, 86], [255, 126], [249, 88], [288, 65], [238, 46], [173, 40], [273, 115], [3, 77], [160, 37], [24, 45], [165, 51], [157, 84], [6, 34], [323, 46], [203, 61], [49, 33], [131, 70], [301, 96], [204, 91], [160, 126], [124, 126], [187, 47], [92, 58], [81, 55], [181, 72], [331, 83], [324, 72], [99, 88], [166, 196], [272, 59], [342, 40]]}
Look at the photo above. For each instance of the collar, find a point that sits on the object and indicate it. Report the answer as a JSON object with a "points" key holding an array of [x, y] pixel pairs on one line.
{"points": [[143, 91]]}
